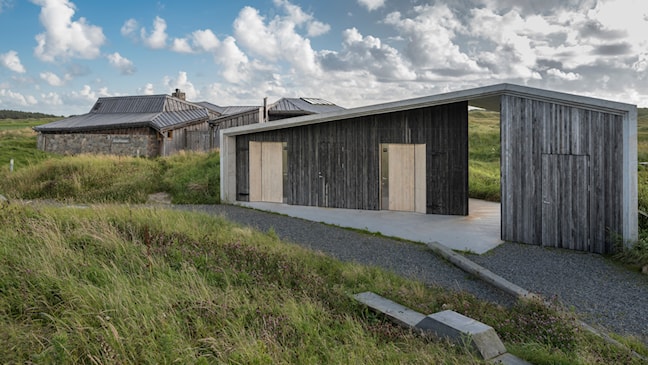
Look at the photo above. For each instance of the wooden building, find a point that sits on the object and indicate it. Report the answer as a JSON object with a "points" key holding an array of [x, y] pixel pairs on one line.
{"points": [[147, 125], [235, 116], [568, 162]]}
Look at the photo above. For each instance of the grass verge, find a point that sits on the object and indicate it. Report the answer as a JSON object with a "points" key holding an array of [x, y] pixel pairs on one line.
{"points": [[116, 284]]}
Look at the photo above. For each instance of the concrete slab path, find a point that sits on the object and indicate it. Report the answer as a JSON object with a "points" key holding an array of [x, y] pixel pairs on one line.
{"points": [[478, 232]]}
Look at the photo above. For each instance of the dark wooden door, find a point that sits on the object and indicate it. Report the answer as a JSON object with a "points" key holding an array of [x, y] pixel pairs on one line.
{"points": [[565, 201]]}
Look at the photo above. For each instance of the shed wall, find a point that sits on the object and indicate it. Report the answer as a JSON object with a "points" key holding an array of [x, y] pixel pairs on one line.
{"points": [[337, 164], [190, 138], [535, 131]]}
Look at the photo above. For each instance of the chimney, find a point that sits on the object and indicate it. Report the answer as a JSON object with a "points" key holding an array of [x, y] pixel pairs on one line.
{"points": [[179, 94], [265, 109]]}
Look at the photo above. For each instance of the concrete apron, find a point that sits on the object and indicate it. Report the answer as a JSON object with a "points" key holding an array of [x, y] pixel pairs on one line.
{"points": [[478, 232]]}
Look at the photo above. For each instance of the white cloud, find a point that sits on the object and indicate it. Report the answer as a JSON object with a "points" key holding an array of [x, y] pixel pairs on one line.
{"points": [[430, 35], [281, 41], [51, 98], [64, 38], [86, 94], [129, 28], [52, 79], [11, 61], [147, 89], [158, 37], [182, 82], [317, 28], [13, 98], [201, 41], [569, 76], [368, 54], [181, 45], [372, 5], [123, 64]]}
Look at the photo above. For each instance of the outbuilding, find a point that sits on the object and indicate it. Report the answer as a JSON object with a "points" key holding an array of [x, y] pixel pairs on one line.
{"points": [[143, 125], [568, 162]]}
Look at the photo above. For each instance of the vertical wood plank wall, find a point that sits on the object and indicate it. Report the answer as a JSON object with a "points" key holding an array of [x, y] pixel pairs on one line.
{"points": [[337, 164], [531, 129]]}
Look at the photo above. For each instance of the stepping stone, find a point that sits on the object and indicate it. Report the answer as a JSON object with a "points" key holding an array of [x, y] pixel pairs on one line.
{"points": [[464, 330]]}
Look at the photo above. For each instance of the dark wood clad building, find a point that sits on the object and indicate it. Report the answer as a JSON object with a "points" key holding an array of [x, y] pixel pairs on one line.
{"points": [[568, 163]]}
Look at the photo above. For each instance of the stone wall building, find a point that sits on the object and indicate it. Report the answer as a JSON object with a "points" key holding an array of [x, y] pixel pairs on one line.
{"points": [[146, 126]]}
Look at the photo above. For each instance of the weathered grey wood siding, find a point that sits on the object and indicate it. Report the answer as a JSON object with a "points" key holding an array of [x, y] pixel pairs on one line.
{"points": [[337, 164], [237, 120], [189, 138], [584, 148]]}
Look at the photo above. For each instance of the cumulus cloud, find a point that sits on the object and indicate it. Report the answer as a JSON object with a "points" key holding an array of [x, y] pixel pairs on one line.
{"points": [[430, 43], [123, 64], [147, 89], [14, 98], [52, 79], [88, 95], [158, 37], [129, 28], [182, 82], [51, 98], [11, 61], [569, 76], [372, 5], [65, 38], [369, 54], [281, 40]]}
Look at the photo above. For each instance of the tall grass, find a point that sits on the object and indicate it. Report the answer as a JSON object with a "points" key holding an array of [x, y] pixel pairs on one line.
{"points": [[120, 285], [19, 145], [189, 178], [484, 155]]}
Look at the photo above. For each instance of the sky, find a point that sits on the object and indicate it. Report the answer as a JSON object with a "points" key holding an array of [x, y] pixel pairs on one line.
{"points": [[59, 56]]}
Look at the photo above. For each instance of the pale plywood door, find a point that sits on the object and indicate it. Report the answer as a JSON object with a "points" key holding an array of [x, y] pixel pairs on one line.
{"points": [[272, 172], [266, 171], [406, 175]]}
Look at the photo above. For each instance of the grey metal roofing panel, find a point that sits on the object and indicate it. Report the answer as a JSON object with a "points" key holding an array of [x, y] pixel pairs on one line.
{"points": [[94, 121], [213, 107], [169, 120], [98, 121], [130, 104], [303, 105], [141, 104]]}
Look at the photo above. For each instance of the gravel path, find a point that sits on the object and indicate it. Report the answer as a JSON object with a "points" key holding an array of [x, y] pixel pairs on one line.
{"points": [[603, 293]]}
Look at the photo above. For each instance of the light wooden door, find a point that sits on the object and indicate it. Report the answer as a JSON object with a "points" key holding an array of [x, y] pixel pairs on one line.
{"points": [[565, 201], [404, 171], [266, 171]]}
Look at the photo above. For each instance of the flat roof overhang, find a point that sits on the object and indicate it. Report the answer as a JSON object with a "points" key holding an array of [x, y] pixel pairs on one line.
{"points": [[487, 97]]}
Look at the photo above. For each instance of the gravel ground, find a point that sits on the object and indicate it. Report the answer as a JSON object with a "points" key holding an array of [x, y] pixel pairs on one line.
{"points": [[601, 292]]}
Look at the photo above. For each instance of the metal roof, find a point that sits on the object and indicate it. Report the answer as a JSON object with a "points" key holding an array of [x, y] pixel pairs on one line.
{"points": [[487, 97], [303, 106], [160, 112]]}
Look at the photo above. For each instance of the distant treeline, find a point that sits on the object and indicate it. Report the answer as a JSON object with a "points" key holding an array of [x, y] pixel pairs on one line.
{"points": [[14, 114]]}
